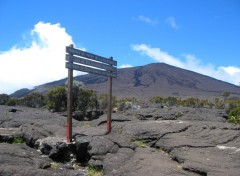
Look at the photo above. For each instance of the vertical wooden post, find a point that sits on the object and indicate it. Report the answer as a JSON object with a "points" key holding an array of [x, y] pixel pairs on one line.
{"points": [[109, 103], [69, 104]]}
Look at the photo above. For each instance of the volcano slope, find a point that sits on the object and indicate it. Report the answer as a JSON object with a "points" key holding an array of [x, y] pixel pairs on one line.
{"points": [[149, 141]]}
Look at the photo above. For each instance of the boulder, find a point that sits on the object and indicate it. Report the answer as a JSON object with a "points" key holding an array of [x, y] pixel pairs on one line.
{"points": [[56, 148]]}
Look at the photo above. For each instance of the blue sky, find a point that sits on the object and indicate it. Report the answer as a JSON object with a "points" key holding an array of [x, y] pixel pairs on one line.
{"points": [[198, 35]]}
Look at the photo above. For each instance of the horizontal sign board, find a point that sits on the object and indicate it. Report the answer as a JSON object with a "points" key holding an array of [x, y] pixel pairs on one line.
{"points": [[91, 56], [83, 61], [90, 70]]}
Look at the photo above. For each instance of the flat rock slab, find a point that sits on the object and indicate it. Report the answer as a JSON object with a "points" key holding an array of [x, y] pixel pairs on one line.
{"points": [[8, 134], [180, 113], [152, 131], [21, 159], [200, 147], [142, 162], [218, 161], [199, 134]]}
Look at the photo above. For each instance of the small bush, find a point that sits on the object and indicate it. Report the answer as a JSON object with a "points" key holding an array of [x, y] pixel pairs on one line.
{"points": [[87, 99], [192, 102], [4, 99], [171, 101], [102, 99], [231, 104], [11, 102], [178, 114], [156, 100], [234, 116], [226, 95], [33, 100], [57, 99], [218, 103], [124, 105]]}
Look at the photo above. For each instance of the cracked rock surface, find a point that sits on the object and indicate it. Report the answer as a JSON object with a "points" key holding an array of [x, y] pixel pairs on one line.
{"points": [[150, 141]]}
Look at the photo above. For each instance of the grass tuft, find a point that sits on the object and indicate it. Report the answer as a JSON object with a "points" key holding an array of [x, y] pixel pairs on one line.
{"points": [[180, 166], [55, 165], [18, 140], [140, 144], [94, 171], [163, 151], [86, 124]]}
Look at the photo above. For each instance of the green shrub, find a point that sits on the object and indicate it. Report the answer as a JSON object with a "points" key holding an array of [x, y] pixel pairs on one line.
{"points": [[234, 116], [87, 99], [204, 103], [124, 105], [11, 102], [57, 99], [192, 102], [4, 99], [171, 101], [83, 99], [33, 100], [226, 95], [77, 87], [156, 100], [231, 104], [102, 99], [219, 104]]}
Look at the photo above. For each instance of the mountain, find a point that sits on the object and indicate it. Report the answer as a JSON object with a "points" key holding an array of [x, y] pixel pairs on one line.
{"points": [[157, 79], [21, 93]]}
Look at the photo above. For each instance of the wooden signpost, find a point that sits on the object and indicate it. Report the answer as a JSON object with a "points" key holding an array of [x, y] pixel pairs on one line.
{"points": [[91, 63]]}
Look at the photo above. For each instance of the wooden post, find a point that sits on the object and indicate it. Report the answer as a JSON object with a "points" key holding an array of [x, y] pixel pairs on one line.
{"points": [[109, 103], [69, 104]]}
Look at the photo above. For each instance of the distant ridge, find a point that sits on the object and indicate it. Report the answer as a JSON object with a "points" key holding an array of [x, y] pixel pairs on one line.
{"points": [[157, 79], [21, 93]]}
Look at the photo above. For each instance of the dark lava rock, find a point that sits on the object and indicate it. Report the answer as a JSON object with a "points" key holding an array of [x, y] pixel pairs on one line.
{"points": [[68, 165], [31, 133], [19, 159], [100, 146], [199, 135], [219, 160], [178, 113], [56, 148], [180, 141], [12, 110], [142, 162], [82, 146]]}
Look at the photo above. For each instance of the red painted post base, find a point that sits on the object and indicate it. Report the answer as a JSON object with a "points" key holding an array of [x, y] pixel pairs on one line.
{"points": [[68, 132], [108, 127]]}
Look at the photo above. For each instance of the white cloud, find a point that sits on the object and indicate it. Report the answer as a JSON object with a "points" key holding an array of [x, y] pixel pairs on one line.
{"points": [[42, 61], [125, 66], [157, 54], [172, 22], [229, 74], [147, 20], [231, 70]]}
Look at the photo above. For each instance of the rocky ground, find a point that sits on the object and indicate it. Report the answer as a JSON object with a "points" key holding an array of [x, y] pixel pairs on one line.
{"points": [[150, 141]]}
